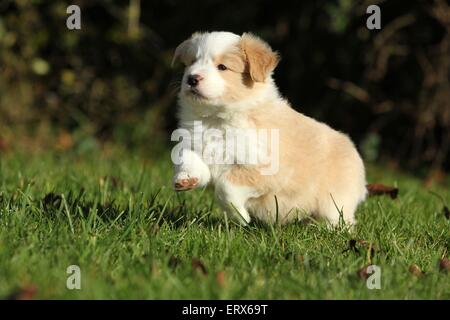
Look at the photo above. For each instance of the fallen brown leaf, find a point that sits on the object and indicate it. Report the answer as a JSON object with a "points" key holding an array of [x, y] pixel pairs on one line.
{"points": [[25, 293], [444, 264], [377, 189], [198, 265], [220, 278], [415, 270], [363, 273], [3, 145], [65, 141]]}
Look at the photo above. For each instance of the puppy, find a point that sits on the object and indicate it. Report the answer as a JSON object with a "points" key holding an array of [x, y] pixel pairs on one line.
{"points": [[227, 86]]}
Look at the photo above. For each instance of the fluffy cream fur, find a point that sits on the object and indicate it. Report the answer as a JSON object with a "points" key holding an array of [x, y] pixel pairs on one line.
{"points": [[320, 171]]}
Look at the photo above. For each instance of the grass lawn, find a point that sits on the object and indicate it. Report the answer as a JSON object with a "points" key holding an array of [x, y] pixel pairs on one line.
{"points": [[117, 218]]}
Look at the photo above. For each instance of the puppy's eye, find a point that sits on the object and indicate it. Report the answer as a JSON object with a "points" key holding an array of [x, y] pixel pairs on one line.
{"points": [[222, 67]]}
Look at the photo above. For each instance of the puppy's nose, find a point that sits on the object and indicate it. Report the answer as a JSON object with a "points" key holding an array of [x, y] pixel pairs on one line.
{"points": [[193, 80]]}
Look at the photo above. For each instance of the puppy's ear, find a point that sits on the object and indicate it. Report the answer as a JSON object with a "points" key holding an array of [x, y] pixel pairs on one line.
{"points": [[182, 51], [260, 57]]}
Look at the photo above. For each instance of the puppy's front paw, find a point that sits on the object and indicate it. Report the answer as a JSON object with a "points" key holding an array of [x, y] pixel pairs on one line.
{"points": [[185, 183]]}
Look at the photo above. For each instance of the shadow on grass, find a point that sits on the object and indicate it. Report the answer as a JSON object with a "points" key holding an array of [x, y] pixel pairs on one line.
{"points": [[155, 212]]}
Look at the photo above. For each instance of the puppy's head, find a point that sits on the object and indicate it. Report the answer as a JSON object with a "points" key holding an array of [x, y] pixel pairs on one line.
{"points": [[222, 67]]}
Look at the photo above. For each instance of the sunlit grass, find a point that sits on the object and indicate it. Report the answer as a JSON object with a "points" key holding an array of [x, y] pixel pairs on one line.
{"points": [[117, 218]]}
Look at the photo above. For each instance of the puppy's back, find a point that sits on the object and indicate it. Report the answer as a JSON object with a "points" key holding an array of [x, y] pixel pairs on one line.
{"points": [[315, 162]]}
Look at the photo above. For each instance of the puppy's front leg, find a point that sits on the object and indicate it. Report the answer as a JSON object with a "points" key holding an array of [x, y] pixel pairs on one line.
{"points": [[191, 172]]}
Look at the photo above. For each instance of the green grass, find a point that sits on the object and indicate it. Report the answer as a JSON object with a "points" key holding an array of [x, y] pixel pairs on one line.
{"points": [[117, 218]]}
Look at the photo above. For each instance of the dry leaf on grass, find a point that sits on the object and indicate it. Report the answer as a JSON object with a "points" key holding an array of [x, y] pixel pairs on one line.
{"points": [[363, 273], [65, 141], [444, 264], [415, 270], [198, 265], [377, 189], [3, 145], [220, 278], [25, 293]]}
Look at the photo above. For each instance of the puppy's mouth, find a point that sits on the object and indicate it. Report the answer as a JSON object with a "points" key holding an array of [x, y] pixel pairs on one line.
{"points": [[193, 92]]}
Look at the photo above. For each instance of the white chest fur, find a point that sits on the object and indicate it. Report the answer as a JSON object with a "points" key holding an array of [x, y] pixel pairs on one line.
{"points": [[222, 144]]}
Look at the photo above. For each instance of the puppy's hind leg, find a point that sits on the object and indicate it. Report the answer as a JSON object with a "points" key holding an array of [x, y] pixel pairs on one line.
{"points": [[337, 209]]}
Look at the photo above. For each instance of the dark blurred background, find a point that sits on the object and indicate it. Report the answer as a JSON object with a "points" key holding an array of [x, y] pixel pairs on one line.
{"points": [[111, 81]]}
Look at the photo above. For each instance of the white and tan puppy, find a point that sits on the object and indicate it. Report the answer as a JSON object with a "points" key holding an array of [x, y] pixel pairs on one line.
{"points": [[227, 87]]}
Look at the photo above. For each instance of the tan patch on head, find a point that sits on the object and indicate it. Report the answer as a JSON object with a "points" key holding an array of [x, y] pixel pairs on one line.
{"points": [[238, 86], [237, 78], [260, 57], [234, 60]]}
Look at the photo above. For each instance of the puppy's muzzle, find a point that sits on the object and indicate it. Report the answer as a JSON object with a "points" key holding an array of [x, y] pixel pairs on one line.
{"points": [[193, 80]]}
